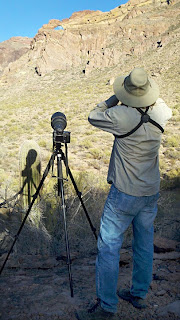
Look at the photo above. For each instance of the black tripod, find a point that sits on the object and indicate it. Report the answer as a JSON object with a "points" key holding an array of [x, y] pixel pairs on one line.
{"points": [[59, 154]]}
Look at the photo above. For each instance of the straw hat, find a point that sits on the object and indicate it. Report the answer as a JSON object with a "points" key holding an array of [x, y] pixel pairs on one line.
{"points": [[137, 89]]}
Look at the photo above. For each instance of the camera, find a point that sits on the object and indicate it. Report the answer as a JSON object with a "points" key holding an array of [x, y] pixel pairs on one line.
{"points": [[59, 123]]}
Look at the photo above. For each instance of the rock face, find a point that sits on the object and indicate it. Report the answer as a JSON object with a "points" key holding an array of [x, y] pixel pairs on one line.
{"points": [[12, 49], [95, 39]]}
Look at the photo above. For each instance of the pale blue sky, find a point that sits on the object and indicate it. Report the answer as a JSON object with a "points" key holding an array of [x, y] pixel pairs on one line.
{"points": [[24, 18]]}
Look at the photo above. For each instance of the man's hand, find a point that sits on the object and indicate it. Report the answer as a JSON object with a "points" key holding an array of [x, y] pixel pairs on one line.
{"points": [[112, 101]]}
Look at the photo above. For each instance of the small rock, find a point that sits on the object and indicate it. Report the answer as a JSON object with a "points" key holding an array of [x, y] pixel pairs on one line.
{"points": [[173, 308], [110, 81], [173, 277], [154, 286], [125, 257], [157, 261], [175, 290], [160, 293], [159, 275]]}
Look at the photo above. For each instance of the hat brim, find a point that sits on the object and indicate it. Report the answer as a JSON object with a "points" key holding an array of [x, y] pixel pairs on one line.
{"points": [[131, 100]]}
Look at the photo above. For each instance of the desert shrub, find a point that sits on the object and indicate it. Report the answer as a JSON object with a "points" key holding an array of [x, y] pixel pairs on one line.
{"points": [[94, 191], [86, 144], [42, 143], [172, 153], [171, 179], [96, 153], [172, 141]]}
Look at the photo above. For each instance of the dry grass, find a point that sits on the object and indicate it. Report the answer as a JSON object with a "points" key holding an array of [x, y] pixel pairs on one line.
{"points": [[26, 115], [26, 111]]}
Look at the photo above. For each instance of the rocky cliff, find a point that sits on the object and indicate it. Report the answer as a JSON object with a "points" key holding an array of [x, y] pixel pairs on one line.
{"points": [[95, 39], [12, 49]]}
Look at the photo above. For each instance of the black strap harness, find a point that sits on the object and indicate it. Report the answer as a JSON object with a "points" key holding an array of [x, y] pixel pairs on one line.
{"points": [[144, 119]]}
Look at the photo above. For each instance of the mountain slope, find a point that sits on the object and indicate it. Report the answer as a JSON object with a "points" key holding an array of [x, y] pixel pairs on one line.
{"points": [[12, 49], [76, 65], [94, 39]]}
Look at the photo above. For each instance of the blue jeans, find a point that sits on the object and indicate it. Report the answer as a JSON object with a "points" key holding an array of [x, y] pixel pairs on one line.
{"points": [[119, 212]]}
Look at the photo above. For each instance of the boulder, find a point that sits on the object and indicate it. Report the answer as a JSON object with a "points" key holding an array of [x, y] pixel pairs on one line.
{"points": [[162, 245], [171, 309]]}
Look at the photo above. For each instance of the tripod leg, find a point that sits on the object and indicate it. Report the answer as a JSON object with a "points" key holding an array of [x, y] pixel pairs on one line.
{"points": [[29, 209], [82, 203], [61, 194]]}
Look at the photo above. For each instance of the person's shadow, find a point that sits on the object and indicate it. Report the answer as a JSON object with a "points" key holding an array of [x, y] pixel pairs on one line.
{"points": [[30, 177]]}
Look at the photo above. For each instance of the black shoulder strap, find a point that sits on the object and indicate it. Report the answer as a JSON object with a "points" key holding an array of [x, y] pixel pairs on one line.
{"points": [[149, 119], [144, 118]]}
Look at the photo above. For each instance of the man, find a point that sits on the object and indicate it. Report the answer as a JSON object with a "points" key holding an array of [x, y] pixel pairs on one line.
{"points": [[137, 124]]}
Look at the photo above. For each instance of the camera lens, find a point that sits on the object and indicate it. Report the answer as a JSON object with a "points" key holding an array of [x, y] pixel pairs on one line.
{"points": [[58, 121]]}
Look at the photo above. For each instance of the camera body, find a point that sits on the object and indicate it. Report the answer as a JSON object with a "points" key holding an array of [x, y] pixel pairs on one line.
{"points": [[61, 137]]}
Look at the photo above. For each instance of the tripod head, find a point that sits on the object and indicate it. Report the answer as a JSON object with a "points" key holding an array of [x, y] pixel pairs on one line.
{"points": [[58, 140]]}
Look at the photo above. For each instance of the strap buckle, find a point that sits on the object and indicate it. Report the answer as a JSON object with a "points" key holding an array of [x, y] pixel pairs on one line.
{"points": [[145, 118]]}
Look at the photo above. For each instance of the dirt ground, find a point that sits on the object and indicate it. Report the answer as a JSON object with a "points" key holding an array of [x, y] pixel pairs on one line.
{"points": [[36, 286], [44, 292]]}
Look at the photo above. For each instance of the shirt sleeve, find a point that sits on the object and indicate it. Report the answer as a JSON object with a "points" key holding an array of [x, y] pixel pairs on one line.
{"points": [[163, 112], [102, 117], [167, 113]]}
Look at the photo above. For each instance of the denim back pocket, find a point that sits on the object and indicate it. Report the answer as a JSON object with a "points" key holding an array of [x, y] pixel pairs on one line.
{"points": [[125, 203]]}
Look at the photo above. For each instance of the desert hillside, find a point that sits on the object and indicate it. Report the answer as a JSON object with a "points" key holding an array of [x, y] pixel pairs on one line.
{"points": [[72, 69]]}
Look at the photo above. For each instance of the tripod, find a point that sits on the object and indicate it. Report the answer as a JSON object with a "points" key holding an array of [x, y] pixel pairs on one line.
{"points": [[59, 154]]}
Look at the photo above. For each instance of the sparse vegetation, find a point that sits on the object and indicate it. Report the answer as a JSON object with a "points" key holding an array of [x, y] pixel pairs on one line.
{"points": [[29, 118]]}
